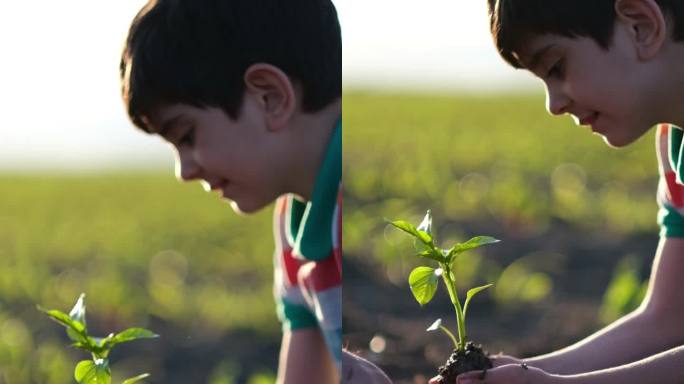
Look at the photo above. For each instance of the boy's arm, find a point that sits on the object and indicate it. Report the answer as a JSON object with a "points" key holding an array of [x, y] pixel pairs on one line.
{"points": [[654, 327], [304, 358], [664, 367]]}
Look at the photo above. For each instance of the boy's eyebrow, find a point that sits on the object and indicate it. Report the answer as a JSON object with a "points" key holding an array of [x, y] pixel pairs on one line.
{"points": [[166, 126], [536, 57]]}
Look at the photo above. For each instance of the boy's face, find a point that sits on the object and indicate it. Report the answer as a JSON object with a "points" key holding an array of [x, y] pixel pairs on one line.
{"points": [[237, 158], [606, 90]]}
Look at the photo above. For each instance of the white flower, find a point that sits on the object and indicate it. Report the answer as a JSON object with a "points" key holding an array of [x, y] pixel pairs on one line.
{"points": [[78, 311], [426, 224], [435, 326]]}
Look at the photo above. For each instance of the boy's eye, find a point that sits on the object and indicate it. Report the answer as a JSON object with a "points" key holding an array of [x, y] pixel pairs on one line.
{"points": [[188, 137], [556, 70]]}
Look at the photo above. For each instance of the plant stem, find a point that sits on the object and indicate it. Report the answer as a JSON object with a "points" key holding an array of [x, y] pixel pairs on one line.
{"points": [[451, 335], [451, 287]]}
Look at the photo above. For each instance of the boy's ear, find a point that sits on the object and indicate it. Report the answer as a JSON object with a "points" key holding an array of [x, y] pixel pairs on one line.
{"points": [[274, 93], [646, 22]]}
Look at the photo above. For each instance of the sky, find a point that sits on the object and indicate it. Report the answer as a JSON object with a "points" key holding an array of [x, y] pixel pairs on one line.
{"points": [[441, 45], [60, 102]]}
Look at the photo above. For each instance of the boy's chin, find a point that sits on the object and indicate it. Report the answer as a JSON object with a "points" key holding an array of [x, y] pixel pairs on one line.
{"points": [[614, 143], [625, 135], [618, 141], [246, 208]]}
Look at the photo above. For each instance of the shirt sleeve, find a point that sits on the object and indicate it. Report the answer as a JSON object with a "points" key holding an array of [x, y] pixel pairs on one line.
{"points": [[670, 192], [291, 307]]}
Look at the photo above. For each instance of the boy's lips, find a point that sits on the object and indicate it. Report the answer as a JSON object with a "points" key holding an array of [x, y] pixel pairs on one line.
{"points": [[218, 186], [589, 119]]}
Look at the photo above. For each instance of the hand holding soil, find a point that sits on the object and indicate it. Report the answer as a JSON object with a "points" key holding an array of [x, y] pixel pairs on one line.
{"points": [[497, 361], [501, 359], [507, 374]]}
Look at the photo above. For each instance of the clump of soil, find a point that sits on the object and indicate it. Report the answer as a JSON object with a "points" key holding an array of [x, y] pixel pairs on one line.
{"points": [[472, 359]]}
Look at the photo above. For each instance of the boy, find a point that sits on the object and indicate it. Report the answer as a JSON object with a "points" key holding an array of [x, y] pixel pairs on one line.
{"points": [[616, 67], [249, 95]]}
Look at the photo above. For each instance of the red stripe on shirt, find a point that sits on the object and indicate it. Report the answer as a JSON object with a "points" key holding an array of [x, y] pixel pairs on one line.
{"points": [[675, 191], [321, 275]]}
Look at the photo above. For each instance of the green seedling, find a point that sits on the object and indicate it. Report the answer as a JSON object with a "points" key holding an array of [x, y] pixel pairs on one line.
{"points": [[424, 280], [97, 370]]}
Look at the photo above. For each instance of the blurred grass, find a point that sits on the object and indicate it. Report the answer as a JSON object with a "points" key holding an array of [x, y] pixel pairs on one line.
{"points": [[494, 158], [145, 249], [487, 161]]}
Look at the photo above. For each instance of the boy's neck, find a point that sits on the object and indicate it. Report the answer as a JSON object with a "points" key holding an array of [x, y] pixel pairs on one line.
{"points": [[672, 98], [312, 133]]}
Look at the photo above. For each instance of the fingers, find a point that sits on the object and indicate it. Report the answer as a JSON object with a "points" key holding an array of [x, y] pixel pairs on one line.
{"points": [[472, 377], [506, 374], [435, 380], [501, 359]]}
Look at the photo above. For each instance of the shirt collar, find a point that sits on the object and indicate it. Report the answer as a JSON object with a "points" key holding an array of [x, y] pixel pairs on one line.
{"points": [[312, 234]]}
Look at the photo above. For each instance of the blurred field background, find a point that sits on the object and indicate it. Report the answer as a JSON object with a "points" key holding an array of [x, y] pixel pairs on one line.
{"points": [[577, 222], [147, 251]]}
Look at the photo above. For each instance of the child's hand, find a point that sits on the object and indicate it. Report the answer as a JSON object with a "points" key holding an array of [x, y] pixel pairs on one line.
{"points": [[497, 360], [356, 370], [501, 359], [508, 374]]}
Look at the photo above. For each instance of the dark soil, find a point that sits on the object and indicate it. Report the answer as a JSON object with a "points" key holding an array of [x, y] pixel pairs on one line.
{"points": [[472, 359]]}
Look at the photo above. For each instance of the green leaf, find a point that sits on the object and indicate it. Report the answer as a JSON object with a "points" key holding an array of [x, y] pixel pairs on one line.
{"points": [[75, 329], [88, 344], [423, 282], [432, 255], [85, 371], [61, 318], [132, 334], [473, 243], [103, 341], [136, 379], [424, 237], [93, 372], [407, 227], [75, 335], [472, 292]]}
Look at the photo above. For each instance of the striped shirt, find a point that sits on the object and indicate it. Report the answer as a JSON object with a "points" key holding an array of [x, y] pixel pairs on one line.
{"points": [[669, 145], [308, 255]]}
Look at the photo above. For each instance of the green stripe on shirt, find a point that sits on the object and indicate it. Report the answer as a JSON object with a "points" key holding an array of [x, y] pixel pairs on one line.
{"points": [[314, 239]]}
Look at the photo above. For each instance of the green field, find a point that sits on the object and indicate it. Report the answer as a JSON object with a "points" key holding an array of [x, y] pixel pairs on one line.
{"points": [[577, 220], [147, 251], [488, 158]]}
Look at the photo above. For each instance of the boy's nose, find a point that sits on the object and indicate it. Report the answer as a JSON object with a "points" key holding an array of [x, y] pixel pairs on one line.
{"points": [[557, 101], [186, 168]]}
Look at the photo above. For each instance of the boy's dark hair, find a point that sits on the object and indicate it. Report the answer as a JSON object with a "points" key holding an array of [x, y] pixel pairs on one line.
{"points": [[196, 52], [512, 22]]}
